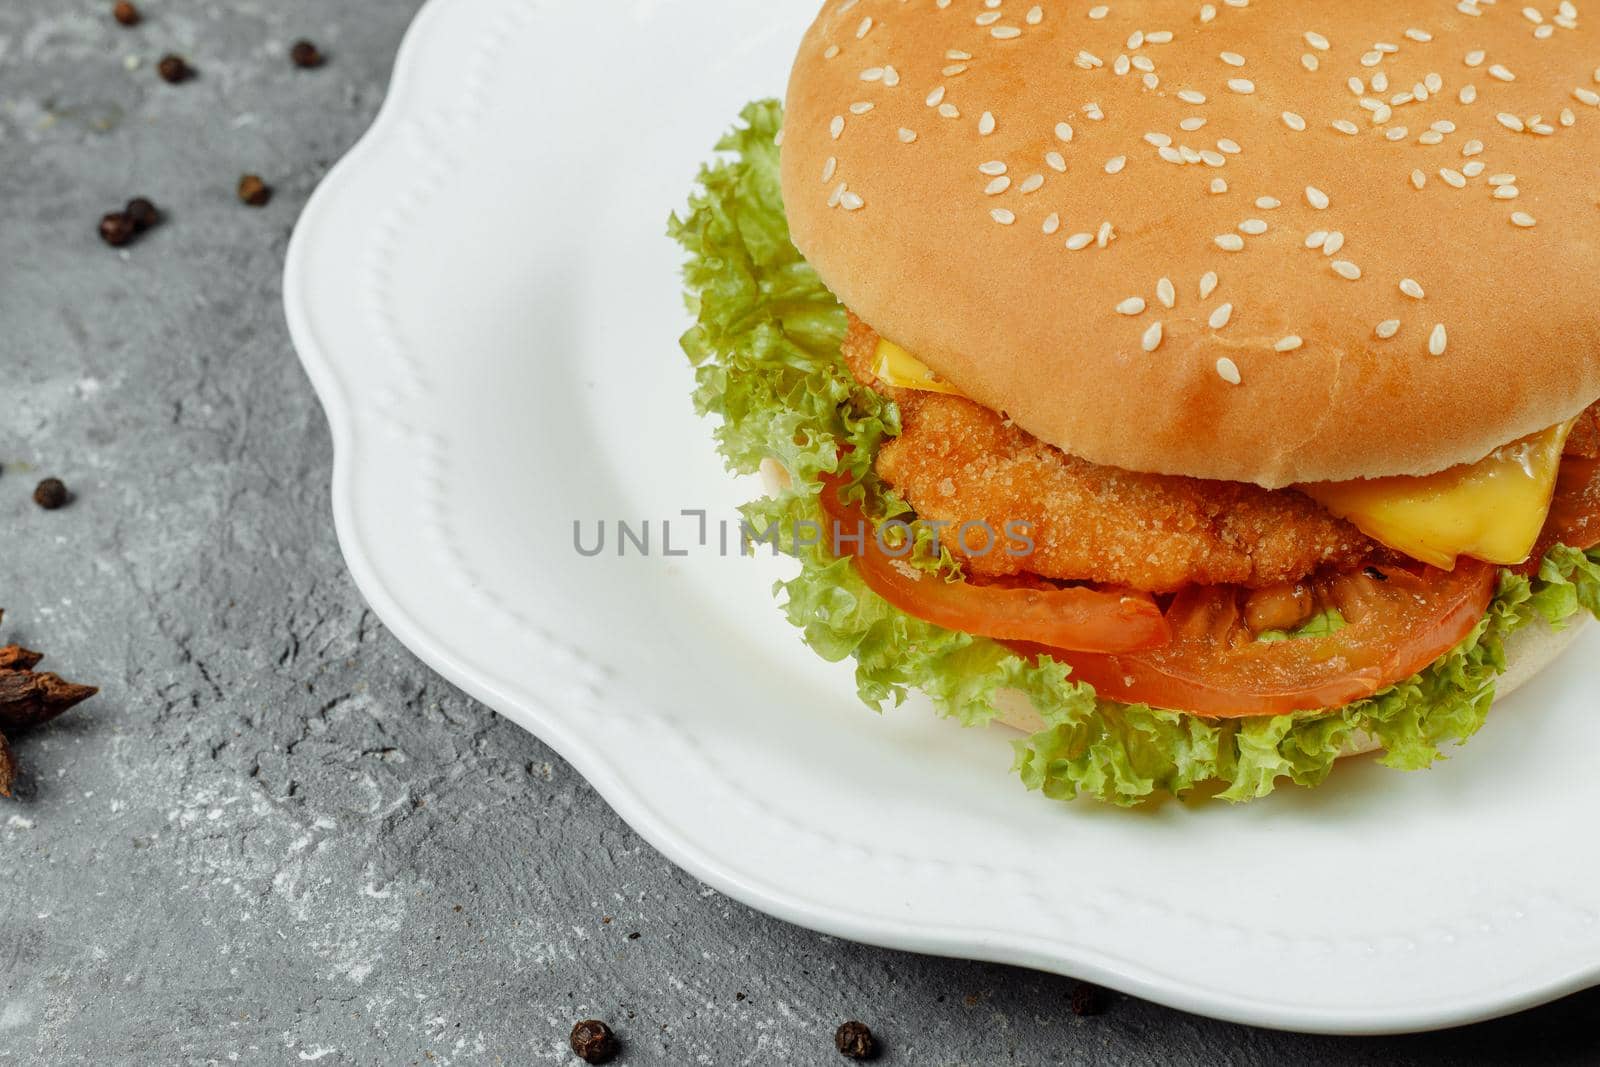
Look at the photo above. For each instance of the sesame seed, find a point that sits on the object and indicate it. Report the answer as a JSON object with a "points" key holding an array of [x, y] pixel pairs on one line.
{"points": [[1506, 192], [1002, 216], [1052, 223], [1056, 161], [1288, 344], [907, 136], [1267, 203], [1511, 122], [1189, 96], [986, 124], [851, 201], [1134, 305], [1152, 337], [1230, 242], [1243, 86], [836, 127], [992, 168], [1586, 96], [1523, 219], [1080, 241], [1233, 59], [1294, 122], [1411, 288], [1316, 198], [1221, 316], [1316, 40], [1334, 242], [1219, 185], [1345, 126], [1453, 177], [1419, 179], [997, 186], [1346, 270], [1438, 340], [1115, 164], [1228, 371], [1316, 238], [1387, 329], [1499, 72], [1166, 293], [1208, 284], [1253, 227], [1063, 133], [829, 168]]}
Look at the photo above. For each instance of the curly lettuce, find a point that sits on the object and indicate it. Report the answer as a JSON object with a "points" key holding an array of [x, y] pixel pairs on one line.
{"points": [[765, 345]]}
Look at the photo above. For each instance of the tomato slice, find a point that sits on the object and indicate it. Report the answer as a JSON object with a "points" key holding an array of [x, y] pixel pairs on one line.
{"points": [[1077, 617], [1574, 518], [1398, 620]]}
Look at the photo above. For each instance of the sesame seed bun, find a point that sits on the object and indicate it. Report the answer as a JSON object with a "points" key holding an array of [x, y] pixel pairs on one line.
{"points": [[930, 175], [1528, 651]]}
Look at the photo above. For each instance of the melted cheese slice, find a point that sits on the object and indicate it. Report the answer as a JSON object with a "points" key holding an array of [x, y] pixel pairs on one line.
{"points": [[899, 368], [1493, 510]]}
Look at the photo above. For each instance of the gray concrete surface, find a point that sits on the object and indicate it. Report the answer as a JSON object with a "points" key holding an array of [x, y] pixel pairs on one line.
{"points": [[276, 837]]}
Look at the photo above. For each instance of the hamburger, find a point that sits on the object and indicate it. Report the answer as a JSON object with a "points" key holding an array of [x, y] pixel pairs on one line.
{"points": [[1207, 392]]}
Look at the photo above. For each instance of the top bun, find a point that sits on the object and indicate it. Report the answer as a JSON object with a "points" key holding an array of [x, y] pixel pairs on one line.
{"points": [[1400, 201]]}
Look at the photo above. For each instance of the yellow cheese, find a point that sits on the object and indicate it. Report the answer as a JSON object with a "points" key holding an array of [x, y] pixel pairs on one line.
{"points": [[899, 368], [1493, 510]]}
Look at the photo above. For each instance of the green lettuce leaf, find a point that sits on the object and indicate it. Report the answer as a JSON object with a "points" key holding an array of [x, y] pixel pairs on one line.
{"points": [[765, 345]]}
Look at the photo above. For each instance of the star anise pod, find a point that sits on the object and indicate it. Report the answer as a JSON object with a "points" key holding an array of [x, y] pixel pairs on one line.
{"points": [[27, 700]]}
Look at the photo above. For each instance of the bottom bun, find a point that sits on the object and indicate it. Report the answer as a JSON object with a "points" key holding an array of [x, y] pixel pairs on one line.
{"points": [[1528, 651]]}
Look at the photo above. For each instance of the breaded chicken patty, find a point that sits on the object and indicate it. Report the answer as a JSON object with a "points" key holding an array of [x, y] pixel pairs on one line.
{"points": [[956, 461]]}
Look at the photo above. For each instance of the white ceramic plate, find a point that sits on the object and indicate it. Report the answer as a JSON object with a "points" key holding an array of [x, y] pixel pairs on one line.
{"points": [[486, 303]]}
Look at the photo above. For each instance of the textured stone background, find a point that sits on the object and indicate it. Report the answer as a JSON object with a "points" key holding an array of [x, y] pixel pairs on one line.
{"points": [[276, 837]]}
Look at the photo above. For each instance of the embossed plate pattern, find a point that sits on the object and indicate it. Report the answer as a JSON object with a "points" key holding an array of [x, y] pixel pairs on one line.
{"points": [[484, 299]]}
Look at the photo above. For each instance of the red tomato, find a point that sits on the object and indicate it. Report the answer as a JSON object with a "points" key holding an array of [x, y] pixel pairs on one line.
{"points": [[1399, 620]]}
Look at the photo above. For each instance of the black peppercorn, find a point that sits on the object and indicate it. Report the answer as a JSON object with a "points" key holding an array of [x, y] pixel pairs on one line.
{"points": [[305, 55], [1088, 999], [594, 1042], [142, 213], [254, 191], [116, 229], [51, 494], [126, 13], [855, 1041], [174, 70]]}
